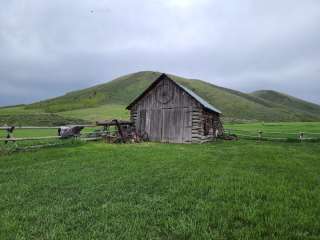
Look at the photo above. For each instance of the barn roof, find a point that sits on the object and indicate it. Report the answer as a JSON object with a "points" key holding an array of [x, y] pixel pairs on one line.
{"points": [[199, 99], [203, 102]]}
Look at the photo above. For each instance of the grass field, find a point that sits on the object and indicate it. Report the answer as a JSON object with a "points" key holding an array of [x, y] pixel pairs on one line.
{"points": [[20, 116], [221, 190], [31, 133], [112, 111]]}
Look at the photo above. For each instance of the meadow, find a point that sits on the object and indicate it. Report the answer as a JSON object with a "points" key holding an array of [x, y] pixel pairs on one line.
{"points": [[221, 190]]}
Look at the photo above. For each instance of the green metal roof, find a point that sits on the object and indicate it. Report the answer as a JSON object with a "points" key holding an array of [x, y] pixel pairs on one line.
{"points": [[203, 102]]}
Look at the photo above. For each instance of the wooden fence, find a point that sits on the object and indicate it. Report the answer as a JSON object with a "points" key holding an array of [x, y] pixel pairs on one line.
{"points": [[276, 136], [92, 135], [10, 133]]}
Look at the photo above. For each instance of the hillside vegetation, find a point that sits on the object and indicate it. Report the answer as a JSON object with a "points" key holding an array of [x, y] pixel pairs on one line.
{"points": [[292, 103], [110, 99], [20, 115]]}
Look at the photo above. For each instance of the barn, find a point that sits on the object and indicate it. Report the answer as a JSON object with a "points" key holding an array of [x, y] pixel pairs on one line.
{"points": [[169, 112]]}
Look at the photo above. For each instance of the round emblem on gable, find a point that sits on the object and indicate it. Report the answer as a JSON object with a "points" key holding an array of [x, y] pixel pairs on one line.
{"points": [[164, 93]]}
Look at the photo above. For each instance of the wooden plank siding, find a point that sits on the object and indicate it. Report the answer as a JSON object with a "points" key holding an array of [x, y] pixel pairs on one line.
{"points": [[166, 113]]}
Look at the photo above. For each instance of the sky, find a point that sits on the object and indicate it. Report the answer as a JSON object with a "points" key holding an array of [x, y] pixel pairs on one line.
{"points": [[48, 48]]}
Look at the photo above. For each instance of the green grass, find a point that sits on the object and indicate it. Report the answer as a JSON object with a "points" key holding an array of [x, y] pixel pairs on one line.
{"points": [[289, 102], [222, 190], [112, 111], [31, 133], [22, 116], [21, 109]]}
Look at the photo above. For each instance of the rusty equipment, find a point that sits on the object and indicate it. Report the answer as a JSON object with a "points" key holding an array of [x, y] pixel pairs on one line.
{"points": [[119, 131]]}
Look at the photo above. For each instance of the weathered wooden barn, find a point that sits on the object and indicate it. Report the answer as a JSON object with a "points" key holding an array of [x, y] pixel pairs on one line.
{"points": [[169, 112]]}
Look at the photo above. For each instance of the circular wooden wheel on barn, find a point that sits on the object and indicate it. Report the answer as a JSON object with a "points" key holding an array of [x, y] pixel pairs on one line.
{"points": [[164, 93]]}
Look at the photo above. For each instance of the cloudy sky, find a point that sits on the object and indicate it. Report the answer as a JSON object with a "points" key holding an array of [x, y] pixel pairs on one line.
{"points": [[50, 47]]}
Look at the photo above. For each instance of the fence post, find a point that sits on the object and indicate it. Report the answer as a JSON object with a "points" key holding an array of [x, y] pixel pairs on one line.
{"points": [[301, 137], [9, 133], [259, 134]]}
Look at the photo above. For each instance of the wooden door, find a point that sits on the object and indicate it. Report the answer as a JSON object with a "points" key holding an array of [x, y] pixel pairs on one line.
{"points": [[154, 117], [141, 122], [176, 125]]}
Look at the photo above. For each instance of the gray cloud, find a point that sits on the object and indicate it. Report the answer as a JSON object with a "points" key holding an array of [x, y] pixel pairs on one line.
{"points": [[50, 47]]}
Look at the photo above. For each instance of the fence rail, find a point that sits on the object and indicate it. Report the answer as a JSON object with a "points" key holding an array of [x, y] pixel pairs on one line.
{"points": [[92, 135], [266, 135], [14, 139], [5, 128], [11, 138]]}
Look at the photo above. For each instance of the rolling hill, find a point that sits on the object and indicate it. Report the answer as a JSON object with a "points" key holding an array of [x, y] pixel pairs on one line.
{"points": [[110, 99], [289, 102]]}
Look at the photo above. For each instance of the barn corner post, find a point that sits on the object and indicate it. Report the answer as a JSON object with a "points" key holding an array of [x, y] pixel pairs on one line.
{"points": [[169, 112]]}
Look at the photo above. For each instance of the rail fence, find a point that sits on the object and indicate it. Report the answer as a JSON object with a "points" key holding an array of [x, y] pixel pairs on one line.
{"points": [[273, 136], [9, 142]]}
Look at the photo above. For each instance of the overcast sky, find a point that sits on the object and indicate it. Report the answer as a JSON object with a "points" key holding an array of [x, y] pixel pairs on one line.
{"points": [[50, 47]]}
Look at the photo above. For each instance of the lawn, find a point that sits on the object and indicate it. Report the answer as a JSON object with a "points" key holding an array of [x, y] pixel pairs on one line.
{"points": [[221, 190]]}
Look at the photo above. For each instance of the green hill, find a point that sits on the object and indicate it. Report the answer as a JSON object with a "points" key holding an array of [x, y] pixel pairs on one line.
{"points": [[290, 102], [110, 99]]}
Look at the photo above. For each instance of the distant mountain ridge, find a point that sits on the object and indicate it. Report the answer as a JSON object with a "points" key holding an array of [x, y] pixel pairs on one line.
{"points": [[263, 105]]}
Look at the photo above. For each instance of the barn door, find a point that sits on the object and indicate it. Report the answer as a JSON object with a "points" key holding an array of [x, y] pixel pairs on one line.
{"points": [[155, 124], [176, 125], [141, 123]]}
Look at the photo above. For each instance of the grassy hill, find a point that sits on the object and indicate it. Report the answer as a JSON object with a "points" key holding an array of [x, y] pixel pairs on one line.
{"points": [[22, 115], [109, 100], [286, 101]]}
